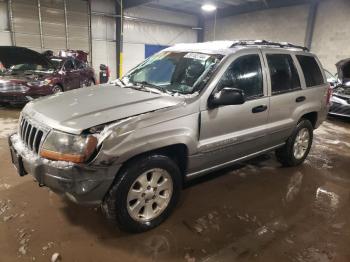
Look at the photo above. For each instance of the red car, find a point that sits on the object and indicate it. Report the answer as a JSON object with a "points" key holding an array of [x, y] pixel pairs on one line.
{"points": [[26, 74]]}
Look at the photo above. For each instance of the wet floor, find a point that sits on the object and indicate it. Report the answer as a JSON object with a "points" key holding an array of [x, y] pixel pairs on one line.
{"points": [[257, 211]]}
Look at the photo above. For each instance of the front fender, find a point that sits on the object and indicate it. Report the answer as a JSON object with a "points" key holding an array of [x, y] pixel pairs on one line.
{"points": [[118, 149]]}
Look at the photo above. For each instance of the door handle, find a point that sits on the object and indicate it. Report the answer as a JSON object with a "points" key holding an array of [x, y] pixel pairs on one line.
{"points": [[300, 99], [259, 109]]}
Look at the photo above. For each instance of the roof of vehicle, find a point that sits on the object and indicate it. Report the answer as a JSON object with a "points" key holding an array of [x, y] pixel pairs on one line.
{"points": [[231, 46]]}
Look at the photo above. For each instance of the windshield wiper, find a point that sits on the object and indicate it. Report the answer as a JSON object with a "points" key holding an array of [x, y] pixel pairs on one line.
{"points": [[147, 85]]}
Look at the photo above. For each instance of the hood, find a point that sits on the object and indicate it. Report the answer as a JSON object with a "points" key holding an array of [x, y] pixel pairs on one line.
{"points": [[343, 69], [342, 91], [77, 110], [13, 55]]}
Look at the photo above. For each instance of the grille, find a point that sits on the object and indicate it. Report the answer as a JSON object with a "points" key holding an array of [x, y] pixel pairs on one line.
{"points": [[12, 87], [31, 135], [340, 109]]}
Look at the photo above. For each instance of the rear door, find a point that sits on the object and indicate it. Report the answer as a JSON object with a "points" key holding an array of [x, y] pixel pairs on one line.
{"points": [[234, 131], [83, 73], [285, 94], [72, 75]]}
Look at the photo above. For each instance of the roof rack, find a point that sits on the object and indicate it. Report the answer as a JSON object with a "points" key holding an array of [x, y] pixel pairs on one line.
{"points": [[268, 43]]}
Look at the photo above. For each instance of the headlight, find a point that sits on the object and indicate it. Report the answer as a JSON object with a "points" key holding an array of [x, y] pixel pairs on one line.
{"points": [[66, 147], [40, 83]]}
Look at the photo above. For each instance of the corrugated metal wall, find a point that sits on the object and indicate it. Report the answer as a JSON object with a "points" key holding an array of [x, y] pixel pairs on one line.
{"points": [[5, 36], [51, 24]]}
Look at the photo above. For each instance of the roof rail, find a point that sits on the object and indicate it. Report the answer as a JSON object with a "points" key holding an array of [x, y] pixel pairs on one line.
{"points": [[267, 43]]}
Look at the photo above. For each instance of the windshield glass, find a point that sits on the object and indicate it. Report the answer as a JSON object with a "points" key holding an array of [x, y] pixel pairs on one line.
{"points": [[174, 72]]}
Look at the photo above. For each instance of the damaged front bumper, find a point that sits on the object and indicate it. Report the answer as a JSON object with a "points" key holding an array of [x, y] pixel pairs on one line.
{"points": [[83, 184]]}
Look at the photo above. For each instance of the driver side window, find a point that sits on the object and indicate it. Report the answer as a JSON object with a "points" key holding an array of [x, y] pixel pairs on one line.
{"points": [[245, 73]]}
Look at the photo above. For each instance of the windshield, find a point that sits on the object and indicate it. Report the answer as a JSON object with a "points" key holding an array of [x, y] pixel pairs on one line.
{"points": [[174, 72]]}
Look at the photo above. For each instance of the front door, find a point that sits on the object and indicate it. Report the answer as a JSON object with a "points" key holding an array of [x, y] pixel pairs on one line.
{"points": [[234, 131]]}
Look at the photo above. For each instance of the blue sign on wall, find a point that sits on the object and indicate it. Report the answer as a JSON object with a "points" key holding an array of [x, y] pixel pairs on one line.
{"points": [[152, 49]]}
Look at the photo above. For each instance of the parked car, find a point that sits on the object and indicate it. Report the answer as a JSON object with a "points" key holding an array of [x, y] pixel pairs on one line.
{"points": [[183, 113], [340, 101], [27, 75]]}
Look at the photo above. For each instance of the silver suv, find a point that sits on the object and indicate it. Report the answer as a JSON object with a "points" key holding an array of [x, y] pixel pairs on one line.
{"points": [[182, 113]]}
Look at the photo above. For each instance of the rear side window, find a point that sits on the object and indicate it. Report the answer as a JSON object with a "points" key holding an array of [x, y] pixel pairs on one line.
{"points": [[245, 73], [311, 70], [284, 76]]}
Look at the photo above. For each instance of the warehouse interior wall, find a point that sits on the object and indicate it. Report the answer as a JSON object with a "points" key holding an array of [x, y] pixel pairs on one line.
{"points": [[281, 24], [5, 35], [138, 33], [103, 35], [288, 24], [331, 35], [145, 28]]}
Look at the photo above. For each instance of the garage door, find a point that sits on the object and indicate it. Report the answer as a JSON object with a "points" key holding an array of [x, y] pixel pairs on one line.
{"points": [[51, 24]]}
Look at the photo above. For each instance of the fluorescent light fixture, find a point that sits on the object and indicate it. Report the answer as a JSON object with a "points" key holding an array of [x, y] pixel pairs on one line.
{"points": [[208, 7]]}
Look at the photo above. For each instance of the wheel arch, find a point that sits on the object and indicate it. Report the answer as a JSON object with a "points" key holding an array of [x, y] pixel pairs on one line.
{"points": [[177, 152], [312, 117]]}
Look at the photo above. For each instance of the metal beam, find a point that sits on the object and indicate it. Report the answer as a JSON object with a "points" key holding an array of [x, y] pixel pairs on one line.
{"points": [[90, 30], [256, 6], [119, 36], [66, 22], [311, 24], [11, 25], [132, 3], [173, 9], [40, 26], [200, 32], [143, 20]]}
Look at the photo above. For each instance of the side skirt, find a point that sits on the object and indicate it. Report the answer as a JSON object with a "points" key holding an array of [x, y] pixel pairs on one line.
{"points": [[220, 166]]}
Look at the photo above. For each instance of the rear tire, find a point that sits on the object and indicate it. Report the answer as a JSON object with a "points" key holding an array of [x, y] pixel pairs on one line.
{"points": [[144, 193], [298, 145]]}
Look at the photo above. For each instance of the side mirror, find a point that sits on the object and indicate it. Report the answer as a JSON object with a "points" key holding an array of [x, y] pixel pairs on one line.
{"points": [[103, 67], [226, 96]]}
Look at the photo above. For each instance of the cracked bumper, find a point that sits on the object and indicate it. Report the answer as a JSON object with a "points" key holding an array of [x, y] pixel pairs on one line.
{"points": [[83, 184]]}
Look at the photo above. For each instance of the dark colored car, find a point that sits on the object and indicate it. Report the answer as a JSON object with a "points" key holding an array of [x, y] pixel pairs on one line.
{"points": [[340, 101], [26, 74]]}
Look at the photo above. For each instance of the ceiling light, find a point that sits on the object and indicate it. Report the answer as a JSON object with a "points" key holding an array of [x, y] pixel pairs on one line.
{"points": [[208, 7]]}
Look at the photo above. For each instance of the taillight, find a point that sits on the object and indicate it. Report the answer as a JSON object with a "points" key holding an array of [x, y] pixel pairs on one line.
{"points": [[108, 72], [329, 95]]}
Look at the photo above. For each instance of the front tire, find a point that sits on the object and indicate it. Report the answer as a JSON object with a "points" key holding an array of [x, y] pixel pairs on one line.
{"points": [[144, 194], [57, 89], [298, 145]]}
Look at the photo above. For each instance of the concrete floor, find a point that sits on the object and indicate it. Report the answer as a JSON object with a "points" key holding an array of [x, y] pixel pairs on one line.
{"points": [[256, 211]]}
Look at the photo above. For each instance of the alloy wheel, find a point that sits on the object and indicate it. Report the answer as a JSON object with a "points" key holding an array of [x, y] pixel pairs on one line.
{"points": [[149, 195], [301, 143]]}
